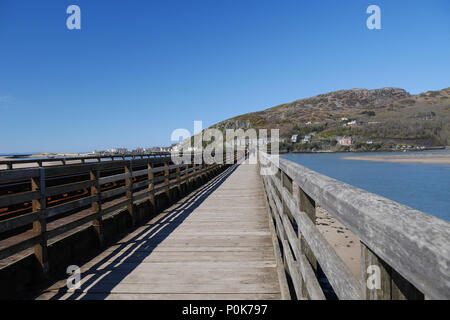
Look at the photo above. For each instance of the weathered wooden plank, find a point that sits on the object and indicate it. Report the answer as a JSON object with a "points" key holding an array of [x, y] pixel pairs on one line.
{"points": [[121, 205], [70, 187], [114, 178], [307, 205], [285, 294], [16, 222], [143, 195], [72, 225], [53, 171], [40, 225], [413, 243], [308, 274], [191, 250], [9, 200], [292, 270], [138, 173], [381, 282], [96, 207], [114, 192], [10, 250], [164, 296], [141, 184], [109, 256], [72, 205], [18, 174], [69, 161], [340, 277], [155, 170], [309, 280], [158, 179], [164, 278]]}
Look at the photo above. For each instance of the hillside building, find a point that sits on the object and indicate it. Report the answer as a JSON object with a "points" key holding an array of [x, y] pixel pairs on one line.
{"points": [[295, 138], [307, 138], [345, 141]]}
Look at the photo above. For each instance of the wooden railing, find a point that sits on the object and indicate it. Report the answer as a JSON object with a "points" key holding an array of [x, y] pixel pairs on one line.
{"points": [[410, 248], [39, 162], [140, 179]]}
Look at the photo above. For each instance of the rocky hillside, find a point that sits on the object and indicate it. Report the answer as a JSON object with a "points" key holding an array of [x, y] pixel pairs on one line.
{"points": [[385, 115]]}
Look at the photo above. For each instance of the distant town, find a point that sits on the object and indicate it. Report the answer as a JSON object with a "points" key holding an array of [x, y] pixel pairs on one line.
{"points": [[125, 151]]}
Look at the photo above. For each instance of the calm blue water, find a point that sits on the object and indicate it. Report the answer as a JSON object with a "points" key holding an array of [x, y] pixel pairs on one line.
{"points": [[421, 186]]}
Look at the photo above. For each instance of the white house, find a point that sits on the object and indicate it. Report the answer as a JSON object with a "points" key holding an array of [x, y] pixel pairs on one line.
{"points": [[295, 138], [307, 138]]}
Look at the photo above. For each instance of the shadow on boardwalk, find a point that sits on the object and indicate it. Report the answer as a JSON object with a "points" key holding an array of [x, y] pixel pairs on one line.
{"points": [[140, 246]]}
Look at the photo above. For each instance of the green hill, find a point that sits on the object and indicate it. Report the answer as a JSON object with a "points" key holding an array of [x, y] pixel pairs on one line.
{"points": [[386, 118]]}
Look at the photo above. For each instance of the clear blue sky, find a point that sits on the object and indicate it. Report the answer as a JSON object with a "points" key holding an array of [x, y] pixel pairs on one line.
{"points": [[139, 69]]}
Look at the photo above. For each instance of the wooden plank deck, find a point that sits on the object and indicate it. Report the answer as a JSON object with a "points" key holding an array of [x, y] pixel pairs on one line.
{"points": [[213, 244]]}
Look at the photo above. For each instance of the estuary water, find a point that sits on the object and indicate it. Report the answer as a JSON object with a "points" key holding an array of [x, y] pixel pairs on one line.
{"points": [[425, 187]]}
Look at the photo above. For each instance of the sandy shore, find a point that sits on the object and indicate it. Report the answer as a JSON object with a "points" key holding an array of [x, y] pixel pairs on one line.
{"points": [[345, 243], [410, 158]]}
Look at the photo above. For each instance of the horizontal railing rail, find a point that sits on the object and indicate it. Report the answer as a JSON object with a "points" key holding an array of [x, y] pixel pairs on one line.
{"points": [[410, 248], [94, 189], [9, 164]]}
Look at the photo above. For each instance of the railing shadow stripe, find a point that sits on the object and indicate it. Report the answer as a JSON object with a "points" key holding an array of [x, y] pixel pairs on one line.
{"points": [[106, 279]]}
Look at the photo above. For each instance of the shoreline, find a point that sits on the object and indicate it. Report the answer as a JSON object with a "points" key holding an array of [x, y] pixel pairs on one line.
{"points": [[422, 159], [369, 151]]}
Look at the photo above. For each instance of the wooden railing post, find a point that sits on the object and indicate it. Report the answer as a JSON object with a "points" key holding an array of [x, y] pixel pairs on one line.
{"points": [[178, 171], [129, 193], [151, 186], [381, 282], [97, 206], [193, 174], [307, 205], [292, 187], [285, 241], [186, 181], [286, 183], [166, 181], [202, 171], [40, 226]]}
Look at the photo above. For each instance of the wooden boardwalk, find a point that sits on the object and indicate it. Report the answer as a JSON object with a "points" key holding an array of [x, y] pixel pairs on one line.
{"points": [[213, 244]]}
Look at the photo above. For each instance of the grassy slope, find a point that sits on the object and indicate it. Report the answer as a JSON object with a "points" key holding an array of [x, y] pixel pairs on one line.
{"points": [[422, 118]]}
